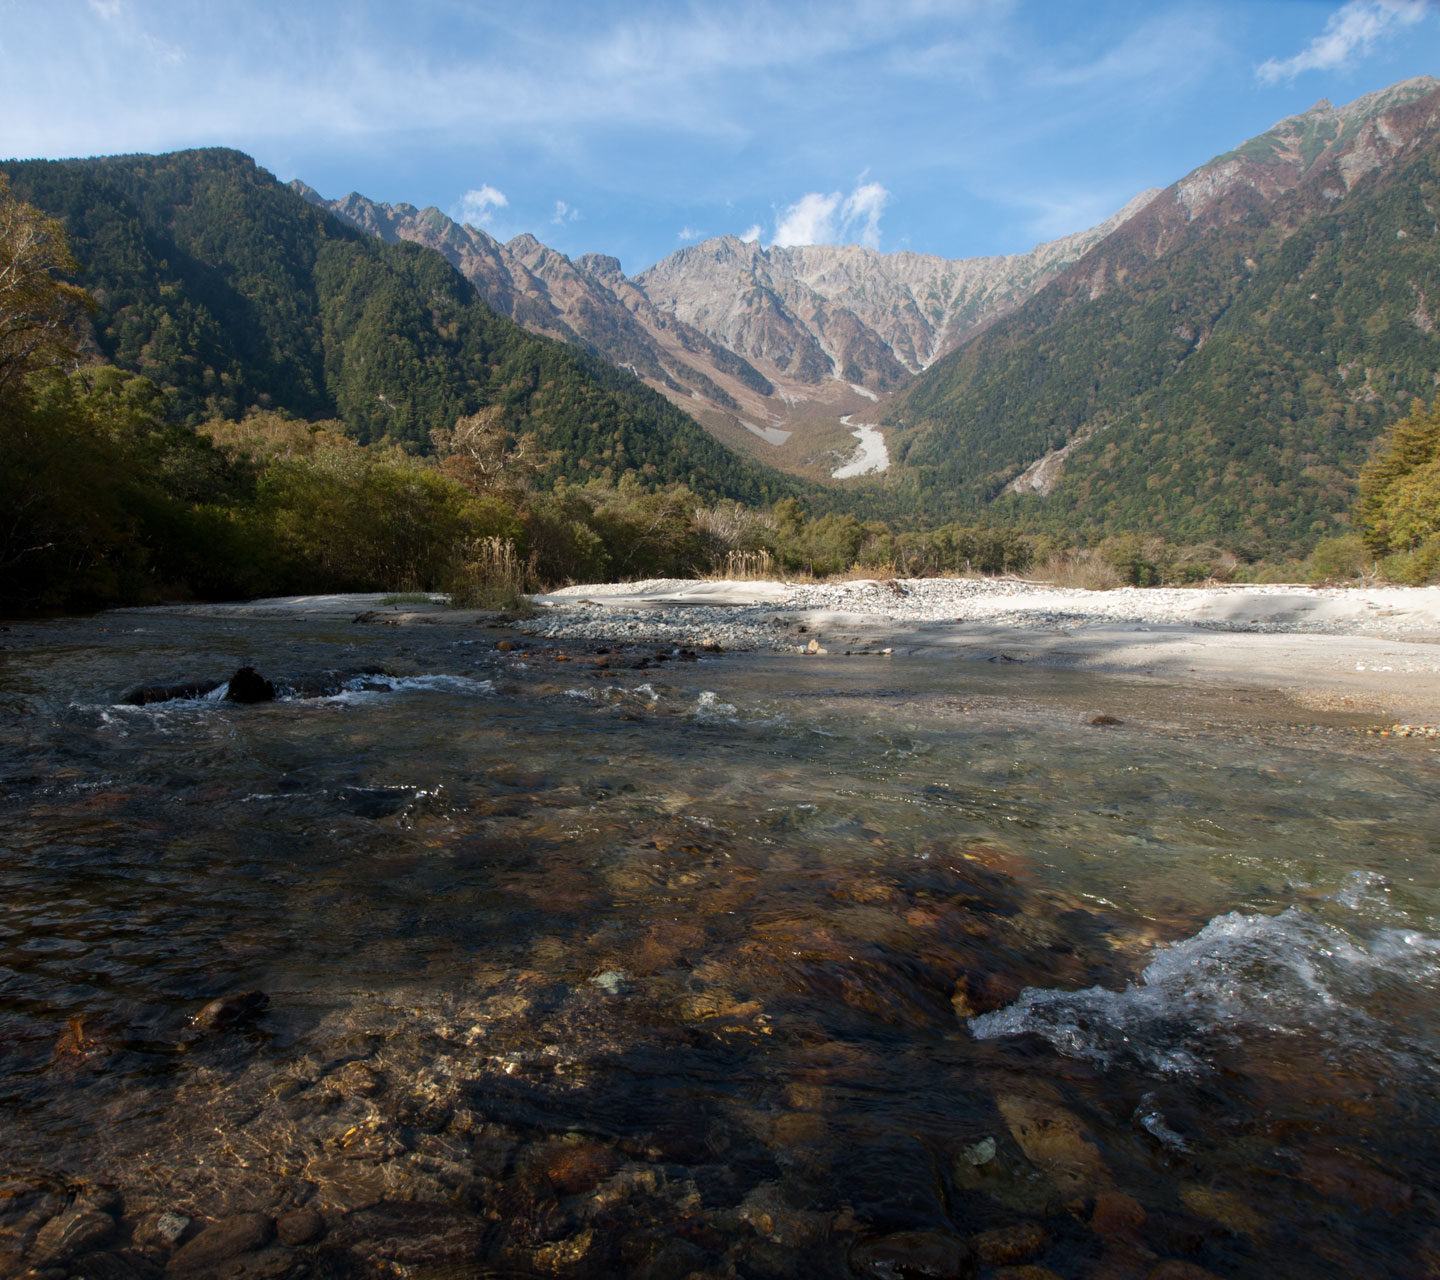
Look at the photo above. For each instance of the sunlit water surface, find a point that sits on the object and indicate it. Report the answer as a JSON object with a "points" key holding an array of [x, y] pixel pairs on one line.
{"points": [[739, 966]]}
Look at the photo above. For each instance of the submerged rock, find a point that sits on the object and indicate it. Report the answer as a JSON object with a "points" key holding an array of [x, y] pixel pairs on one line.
{"points": [[78, 1230], [914, 1255], [143, 695], [299, 1227], [228, 1011], [223, 1239]]}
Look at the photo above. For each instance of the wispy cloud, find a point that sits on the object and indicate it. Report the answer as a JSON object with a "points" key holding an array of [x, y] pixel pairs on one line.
{"points": [[752, 233], [1352, 30], [820, 218], [688, 233], [478, 205], [564, 213]]}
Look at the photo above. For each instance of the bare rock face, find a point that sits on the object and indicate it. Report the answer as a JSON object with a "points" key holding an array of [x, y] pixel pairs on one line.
{"points": [[717, 325]]}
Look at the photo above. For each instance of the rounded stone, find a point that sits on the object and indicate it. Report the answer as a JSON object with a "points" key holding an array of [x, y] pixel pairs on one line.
{"points": [[914, 1255]]}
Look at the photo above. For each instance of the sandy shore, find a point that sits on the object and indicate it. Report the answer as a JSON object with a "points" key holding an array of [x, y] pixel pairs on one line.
{"points": [[1370, 651]]}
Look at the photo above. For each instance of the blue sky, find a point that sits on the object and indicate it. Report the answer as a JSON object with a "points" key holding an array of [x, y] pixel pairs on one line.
{"points": [[633, 127]]}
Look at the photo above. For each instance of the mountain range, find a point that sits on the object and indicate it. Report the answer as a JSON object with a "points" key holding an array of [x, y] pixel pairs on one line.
{"points": [[1220, 365], [1213, 362], [769, 348], [227, 289]]}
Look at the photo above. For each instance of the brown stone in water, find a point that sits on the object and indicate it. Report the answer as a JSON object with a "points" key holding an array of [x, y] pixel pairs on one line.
{"points": [[1009, 1244], [1231, 1211], [914, 1255], [1336, 1177], [74, 1046], [1056, 1141], [1115, 1214], [223, 1239], [573, 1169], [504, 646], [229, 1010], [1105, 721], [300, 1226], [1023, 1273], [1174, 1269]]}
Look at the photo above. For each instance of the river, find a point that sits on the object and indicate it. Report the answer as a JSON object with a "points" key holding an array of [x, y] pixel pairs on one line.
{"points": [[719, 965]]}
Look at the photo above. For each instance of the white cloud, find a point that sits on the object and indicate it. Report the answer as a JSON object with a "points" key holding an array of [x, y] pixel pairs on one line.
{"points": [[752, 234], [688, 233], [810, 220], [818, 218], [564, 213], [1353, 28], [479, 204]]}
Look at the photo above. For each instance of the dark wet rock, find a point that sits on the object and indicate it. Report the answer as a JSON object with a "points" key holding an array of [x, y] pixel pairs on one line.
{"points": [[222, 1240], [1010, 1244], [1106, 721], [78, 1230], [231, 1010], [300, 1226], [914, 1255], [374, 802], [248, 686], [143, 695], [128, 1264], [1025, 1271], [673, 1260]]}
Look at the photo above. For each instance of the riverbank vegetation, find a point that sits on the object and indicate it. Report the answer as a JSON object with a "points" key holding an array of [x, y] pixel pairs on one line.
{"points": [[111, 494]]}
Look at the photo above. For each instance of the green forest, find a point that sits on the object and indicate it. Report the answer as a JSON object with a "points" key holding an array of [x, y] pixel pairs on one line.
{"points": [[209, 388], [1229, 390]]}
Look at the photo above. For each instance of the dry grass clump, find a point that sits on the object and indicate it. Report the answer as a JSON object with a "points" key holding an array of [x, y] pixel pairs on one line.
{"points": [[747, 566], [493, 576], [1082, 568]]}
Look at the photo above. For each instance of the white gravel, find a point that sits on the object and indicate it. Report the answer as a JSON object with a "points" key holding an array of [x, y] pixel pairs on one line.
{"points": [[747, 615]]}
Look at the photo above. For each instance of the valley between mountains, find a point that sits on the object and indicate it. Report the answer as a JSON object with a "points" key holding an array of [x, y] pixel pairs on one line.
{"points": [[1222, 352]]}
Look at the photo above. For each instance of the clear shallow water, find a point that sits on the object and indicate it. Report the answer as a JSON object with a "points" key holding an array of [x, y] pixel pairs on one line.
{"points": [[739, 966]]}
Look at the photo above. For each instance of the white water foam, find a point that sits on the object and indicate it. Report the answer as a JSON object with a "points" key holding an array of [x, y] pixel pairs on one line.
{"points": [[1291, 973], [360, 688], [710, 710]]}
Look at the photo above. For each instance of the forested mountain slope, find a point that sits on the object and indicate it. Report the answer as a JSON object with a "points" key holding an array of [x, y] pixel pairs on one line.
{"points": [[1219, 366], [219, 283]]}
